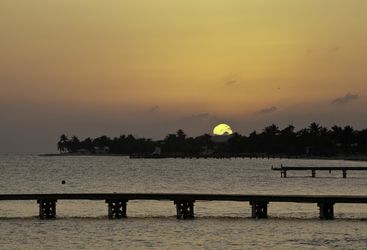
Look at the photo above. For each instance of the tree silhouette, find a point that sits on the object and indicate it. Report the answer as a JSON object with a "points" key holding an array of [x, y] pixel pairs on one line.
{"points": [[62, 145], [315, 140]]}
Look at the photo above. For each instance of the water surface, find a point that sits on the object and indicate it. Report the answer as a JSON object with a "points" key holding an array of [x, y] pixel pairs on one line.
{"points": [[151, 224]]}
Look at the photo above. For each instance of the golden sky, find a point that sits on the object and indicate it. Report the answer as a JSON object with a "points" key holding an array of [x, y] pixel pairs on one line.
{"points": [[165, 63]]}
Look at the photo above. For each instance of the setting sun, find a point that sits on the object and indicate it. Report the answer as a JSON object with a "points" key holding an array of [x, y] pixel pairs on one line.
{"points": [[222, 129]]}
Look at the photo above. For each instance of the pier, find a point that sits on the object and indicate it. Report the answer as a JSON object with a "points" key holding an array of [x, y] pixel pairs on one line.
{"points": [[284, 169], [117, 202], [215, 156]]}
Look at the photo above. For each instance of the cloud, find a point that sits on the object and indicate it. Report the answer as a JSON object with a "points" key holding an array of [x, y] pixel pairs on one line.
{"points": [[153, 109], [202, 115], [348, 98], [267, 110], [230, 80]]}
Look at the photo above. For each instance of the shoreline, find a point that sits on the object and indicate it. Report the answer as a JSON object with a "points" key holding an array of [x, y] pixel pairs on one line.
{"points": [[78, 154], [361, 158]]}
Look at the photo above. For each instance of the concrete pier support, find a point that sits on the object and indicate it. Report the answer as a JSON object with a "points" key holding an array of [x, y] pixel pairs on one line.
{"points": [[259, 209], [116, 209], [47, 209], [326, 210], [184, 209], [344, 173], [313, 173]]}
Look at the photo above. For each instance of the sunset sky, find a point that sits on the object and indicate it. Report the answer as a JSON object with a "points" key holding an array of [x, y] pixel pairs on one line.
{"points": [[92, 67]]}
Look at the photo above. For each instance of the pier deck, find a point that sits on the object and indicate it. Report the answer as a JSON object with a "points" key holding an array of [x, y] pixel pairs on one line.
{"points": [[117, 202], [284, 169]]}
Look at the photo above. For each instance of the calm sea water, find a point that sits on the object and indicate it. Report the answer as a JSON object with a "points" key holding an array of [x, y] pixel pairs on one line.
{"points": [[151, 224]]}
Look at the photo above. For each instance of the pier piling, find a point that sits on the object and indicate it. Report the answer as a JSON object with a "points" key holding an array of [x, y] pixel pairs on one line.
{"points": [[116, 209], [326, 210], [344, 173], [259, 209], [47, 209], [283, 173], [184, 209]]}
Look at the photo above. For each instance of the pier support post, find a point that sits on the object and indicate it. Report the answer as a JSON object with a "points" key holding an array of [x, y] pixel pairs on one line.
{"points": [[47, 209], [326, 210], [344, 173], [259, 209], [116, 209], [184, 209], [283, 173], [313, 173]]}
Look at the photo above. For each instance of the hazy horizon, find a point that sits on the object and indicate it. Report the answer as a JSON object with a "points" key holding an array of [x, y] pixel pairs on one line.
{"points": [[91, 68]]}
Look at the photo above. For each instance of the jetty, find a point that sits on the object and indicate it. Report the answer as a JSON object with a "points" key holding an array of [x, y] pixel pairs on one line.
{"points": [[284, 169], [214, 156], [184, 203]]}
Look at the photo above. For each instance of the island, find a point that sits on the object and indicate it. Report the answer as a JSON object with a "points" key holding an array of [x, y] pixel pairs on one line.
{"points": [[315, 141]]}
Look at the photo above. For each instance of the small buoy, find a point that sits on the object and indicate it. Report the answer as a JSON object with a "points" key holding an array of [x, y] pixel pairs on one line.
{"points": [[63, 182]]}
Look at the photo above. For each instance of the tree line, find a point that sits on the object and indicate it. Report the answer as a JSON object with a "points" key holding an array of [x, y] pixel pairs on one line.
{"points": [[314, 140]]}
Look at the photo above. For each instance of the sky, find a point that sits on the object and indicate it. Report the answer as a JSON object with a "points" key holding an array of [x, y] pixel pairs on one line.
{"points": [[149, 68]]}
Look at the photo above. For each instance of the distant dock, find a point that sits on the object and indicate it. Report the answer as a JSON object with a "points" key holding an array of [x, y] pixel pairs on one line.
{"points": [[284, 169], [214, 156], [245, 155], [117, 202]]}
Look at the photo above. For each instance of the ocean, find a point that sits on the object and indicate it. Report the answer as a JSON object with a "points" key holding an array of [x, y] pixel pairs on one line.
{"points": [[152, 224]]}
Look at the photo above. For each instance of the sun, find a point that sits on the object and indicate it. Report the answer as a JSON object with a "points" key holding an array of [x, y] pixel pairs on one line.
{"points": [[222, 129]]}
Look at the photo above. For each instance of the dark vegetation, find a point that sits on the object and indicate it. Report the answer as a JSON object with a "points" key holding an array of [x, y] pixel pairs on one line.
{"points": [[312, 141]]}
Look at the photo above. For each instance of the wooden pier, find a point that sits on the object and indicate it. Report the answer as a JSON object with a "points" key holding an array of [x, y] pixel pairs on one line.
{"points": [[117, 202], [284, 169]]}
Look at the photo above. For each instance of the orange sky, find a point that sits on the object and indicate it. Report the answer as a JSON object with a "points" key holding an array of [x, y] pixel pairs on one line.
{"points": [[145, 67]]}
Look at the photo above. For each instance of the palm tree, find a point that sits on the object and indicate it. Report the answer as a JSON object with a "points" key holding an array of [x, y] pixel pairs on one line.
{"points": [[269, 138], [314, 129], [181, 134], [271, 130], [74, 144], [62, 144]]}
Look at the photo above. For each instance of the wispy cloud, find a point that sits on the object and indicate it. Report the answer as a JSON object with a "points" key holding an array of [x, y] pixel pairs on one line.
{"points": [[202, 115], [348, 98], [267, 110], [230, 80], [153, 109]]}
